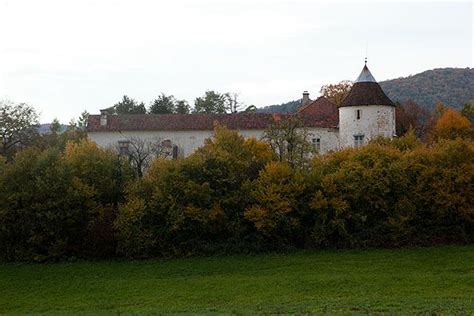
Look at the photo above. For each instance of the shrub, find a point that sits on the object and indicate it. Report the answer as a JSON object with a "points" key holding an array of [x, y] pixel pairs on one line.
{"points": [[187, 206], [443, 191], [55, 205], [385, 195], [276, 197]]}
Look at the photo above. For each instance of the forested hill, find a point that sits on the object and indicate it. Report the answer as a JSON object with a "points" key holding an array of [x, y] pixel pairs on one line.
{"points": [[452, 86], [281, 108]]}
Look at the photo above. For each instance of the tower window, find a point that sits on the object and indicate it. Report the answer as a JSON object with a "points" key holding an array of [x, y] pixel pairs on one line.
{"points": [[358, 140], [316, 143], [358, 114]]}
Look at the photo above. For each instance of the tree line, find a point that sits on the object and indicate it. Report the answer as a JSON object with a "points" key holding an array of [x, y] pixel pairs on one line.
{"points": [[211, 102], [63, 197]]}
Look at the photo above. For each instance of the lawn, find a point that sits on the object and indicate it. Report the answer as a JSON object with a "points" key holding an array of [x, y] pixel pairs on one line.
{"points": [[427, 280]]}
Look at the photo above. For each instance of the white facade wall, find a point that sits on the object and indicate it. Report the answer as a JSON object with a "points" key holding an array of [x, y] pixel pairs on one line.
{"points": [[190, 140], [329, 138], [374, 121]]}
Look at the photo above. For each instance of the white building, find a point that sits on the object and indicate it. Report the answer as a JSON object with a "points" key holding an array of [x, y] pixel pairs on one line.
{"points": [[364, 114]]}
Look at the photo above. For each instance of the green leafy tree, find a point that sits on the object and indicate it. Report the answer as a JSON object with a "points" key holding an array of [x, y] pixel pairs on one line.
{"points": [[82, 120], [163, 104], [57, 204], [128, 106], [468, 111], [182, 107], [55, 126], [18, 127], [211, 103]]}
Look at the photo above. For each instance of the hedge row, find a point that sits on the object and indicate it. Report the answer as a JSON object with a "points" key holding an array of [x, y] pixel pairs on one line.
{"points": [[233, 195]]}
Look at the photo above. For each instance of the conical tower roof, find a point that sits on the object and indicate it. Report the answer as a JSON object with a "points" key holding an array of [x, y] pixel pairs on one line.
{"points": [[365, 75], [366, 91]]}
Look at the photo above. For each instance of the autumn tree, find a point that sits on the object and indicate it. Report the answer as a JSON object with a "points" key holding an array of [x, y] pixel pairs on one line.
{"points": [[188, 205], [336, 92], [410, 115], [18, 126], [289, 139], [451, 125], [276, 195], [128, 106]]}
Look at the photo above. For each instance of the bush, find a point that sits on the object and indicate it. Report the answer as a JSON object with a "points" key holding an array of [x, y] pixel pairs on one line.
{"points": [[55, 205], [443, 191], [192, 205], [276, 197], [385, 195], [232, 196]]}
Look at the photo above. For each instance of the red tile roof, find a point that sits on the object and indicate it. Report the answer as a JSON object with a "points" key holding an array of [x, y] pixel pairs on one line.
{"points": [[238, 121], [322, 108]]}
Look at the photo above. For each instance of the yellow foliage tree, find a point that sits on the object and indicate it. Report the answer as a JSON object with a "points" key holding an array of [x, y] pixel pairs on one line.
{"points": [[336, 92], [452, 125], [276, 193]]}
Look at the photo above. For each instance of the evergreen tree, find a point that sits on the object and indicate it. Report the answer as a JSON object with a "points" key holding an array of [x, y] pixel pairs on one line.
{"points": [[163, 104], [128, 106]]}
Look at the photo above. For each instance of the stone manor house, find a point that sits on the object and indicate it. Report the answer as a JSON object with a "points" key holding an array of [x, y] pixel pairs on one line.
{"points": [[365, 113]]}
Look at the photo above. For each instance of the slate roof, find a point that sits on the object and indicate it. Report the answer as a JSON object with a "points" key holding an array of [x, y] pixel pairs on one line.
{"points": [[175, 122], [366, 91], [365, 75]]}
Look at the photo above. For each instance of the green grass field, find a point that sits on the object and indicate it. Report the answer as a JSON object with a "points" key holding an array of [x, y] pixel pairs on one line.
{"points": [[427, 280]]}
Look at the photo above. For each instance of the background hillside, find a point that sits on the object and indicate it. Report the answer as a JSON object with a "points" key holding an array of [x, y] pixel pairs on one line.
{"points": [[452, 86]]}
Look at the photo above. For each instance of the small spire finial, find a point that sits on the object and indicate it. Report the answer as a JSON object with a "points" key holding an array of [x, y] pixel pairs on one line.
{"points": [[366, 51]]}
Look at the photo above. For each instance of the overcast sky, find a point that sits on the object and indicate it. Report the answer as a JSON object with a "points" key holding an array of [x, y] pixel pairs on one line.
{"points": [[64, 56]]}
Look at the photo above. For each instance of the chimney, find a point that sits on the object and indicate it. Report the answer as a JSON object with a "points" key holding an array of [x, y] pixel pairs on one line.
{"points": [[103, 117], [305, 98]]}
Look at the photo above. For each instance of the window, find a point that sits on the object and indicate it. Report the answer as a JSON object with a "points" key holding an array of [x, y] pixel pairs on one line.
{"points": [[123, 147], [358, 140], [358, 114], [316, 143]]}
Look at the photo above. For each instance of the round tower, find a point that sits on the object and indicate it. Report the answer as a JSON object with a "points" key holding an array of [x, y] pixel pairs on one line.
{"points": [[365, 113]]}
